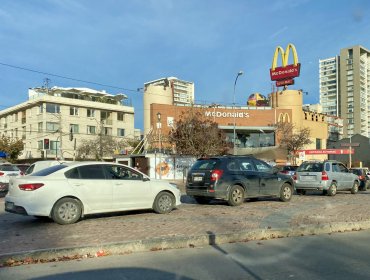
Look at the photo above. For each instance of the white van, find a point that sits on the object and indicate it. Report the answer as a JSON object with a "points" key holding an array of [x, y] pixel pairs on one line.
{"points": [[38, 165]]}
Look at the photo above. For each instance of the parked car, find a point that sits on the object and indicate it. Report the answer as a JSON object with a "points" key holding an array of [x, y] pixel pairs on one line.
{"points": [[22, 167], [66, 192], [287, 169], [8, 171], [328, 176], [362, 176], [234, 178]]}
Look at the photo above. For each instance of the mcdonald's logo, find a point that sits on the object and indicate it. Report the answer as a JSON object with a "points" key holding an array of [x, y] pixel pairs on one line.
{"points": [[285, 73]]}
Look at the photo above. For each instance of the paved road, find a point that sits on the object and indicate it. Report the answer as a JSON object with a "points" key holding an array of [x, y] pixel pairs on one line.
{"points": [[336, 256], [187, 225]]}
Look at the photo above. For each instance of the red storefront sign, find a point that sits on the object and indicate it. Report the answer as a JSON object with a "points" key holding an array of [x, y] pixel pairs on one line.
{"points": [[286, 82], [285, 72], [327, 152]]}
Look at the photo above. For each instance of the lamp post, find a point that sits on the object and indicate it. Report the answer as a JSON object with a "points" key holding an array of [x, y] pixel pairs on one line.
{"points": [[350, 151], [159, 125], [234, 135]]}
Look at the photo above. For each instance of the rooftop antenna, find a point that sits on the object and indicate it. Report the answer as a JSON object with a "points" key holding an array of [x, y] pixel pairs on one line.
{"points": [[46, 84]]}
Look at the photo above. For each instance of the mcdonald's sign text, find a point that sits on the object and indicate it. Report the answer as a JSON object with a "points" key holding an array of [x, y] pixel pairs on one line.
{"points": [[284, 74]]}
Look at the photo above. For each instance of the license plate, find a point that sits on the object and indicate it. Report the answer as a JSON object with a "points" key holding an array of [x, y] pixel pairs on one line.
{"points": [[9, 205], [197, 179], [308, 178]]}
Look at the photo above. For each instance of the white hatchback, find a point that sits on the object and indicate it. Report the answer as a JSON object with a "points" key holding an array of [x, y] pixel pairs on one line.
{"points": [[66, 192]]}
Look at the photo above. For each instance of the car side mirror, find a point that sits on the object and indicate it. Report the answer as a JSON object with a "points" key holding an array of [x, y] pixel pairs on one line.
{"points": [[145, 179]]}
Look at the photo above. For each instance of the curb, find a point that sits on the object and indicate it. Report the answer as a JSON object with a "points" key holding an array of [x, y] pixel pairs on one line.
{"points": [[177, 242]]}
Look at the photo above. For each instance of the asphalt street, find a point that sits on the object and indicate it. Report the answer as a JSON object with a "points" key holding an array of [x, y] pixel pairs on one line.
{"points": [[190, 225]]}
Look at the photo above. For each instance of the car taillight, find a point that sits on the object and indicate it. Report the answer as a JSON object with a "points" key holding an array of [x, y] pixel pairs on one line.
{"points": [[216, 174], [295, 177], [324, 176], [22, 174], [361, 177], [284, 171], [30, 187], [1, 173]]}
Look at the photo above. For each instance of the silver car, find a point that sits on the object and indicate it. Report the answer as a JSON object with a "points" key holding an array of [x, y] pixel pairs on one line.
{"points": [[328, 176]]}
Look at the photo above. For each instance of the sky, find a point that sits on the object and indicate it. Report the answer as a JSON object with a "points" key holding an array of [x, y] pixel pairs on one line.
{"points": [[117, 46]]}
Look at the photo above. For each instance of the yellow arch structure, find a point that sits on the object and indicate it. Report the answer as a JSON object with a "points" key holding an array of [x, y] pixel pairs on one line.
{"points": [[284, 56]]}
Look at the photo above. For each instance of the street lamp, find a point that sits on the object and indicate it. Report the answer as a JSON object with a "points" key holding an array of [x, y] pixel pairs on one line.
{"points": [[236, 79], [350, 151]]}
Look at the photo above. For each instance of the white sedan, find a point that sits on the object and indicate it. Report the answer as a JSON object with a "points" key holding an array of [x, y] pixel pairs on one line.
{"points": [[68, 191]]}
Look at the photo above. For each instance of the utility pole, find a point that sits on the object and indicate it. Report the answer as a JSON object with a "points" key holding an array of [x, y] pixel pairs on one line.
{"points": [[60, 136], [101, 141]]}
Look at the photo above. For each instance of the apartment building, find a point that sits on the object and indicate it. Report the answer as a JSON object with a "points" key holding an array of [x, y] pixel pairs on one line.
{"points": [[345, 89], [54, 121]]}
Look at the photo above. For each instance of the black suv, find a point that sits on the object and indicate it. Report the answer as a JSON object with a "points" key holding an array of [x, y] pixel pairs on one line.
{"points": [[235, 178]]}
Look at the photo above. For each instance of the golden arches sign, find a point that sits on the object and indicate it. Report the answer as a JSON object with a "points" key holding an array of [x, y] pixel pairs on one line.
{"points": [[284, 56], [284, 117], [284, 74]]}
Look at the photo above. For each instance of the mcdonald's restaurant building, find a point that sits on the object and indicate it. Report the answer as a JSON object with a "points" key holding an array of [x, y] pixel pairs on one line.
{"points": [[254, 124]]}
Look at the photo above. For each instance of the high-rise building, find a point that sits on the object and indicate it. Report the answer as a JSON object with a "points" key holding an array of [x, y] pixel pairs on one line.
{"points": [[345, 89], [170, 91]]}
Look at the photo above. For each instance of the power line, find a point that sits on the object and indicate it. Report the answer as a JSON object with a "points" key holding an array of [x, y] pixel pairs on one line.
{"points": [[68, 78]]}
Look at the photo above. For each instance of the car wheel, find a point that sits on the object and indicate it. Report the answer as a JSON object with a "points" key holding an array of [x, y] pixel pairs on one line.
{"points": [[202, 199], [164, 203], [354, 189], [236, 196], [332, 189], [67, 211], [286, 192]]}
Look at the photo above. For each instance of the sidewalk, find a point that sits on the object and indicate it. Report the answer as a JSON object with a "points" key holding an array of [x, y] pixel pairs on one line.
{"points": [[191, 225]]}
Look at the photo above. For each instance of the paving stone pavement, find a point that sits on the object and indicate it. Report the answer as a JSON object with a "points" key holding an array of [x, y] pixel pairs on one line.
{"points": [[26, 235]]}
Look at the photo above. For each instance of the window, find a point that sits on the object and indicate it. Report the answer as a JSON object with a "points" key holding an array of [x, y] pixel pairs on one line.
{"points": [[52, 108], [116, 172], [40, 144], [86, 172], [54, 145], [41, 108], [262, 166], [74, 128], [52, 126], [120, 132], [91, 129], [120, 116], [73, 111], [39, 127], [107, 131], [318, 144], [246, 165], [90, 113]]}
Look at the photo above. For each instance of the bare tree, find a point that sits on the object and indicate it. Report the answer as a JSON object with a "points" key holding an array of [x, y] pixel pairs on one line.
{"points": [[293, 139], [197, 136], [100, 147]]}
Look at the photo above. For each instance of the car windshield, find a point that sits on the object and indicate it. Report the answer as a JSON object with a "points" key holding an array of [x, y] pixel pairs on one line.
{"points": [[311, 167], [204, 164], [49, 170]]}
